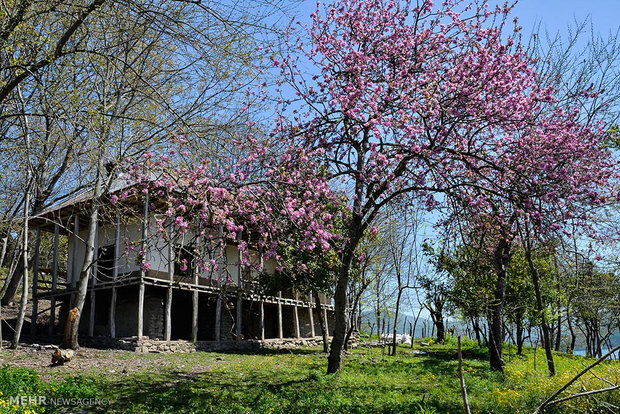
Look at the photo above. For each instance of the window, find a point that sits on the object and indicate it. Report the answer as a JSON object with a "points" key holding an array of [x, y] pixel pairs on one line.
{"points": [[184, 261], [105, 263]]}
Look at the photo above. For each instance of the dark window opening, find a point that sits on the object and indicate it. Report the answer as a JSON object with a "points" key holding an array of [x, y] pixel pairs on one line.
{"points": [[184, 264], [105, 263]]}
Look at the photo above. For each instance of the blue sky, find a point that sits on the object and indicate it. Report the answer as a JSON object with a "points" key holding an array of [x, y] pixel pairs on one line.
{"points": [[555, 15]]}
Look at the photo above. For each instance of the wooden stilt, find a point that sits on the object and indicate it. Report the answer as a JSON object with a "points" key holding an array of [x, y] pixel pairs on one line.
{"points": [[261, 321], [35, 284], [310, 313], [194, 316], [140, 310], [296, 316], [117, 255], [218, 318], [91, 319], [168, 311], [54, 281], [112, 315], [280, 332], [196, 270], [325, 319], [238, 319], [145, 232], [75, 273]]}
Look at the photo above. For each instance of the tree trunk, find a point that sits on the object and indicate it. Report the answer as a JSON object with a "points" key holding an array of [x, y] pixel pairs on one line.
{"points": [[5, 242], [13, 279], [573, 336], [476, 328], [541, 310], [400, 292], [24, 300], [334, 360], [71, 327], [519, 334], [558, 334], [496, 326]]}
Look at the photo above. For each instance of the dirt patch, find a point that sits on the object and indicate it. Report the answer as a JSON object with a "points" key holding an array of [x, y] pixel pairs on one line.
{"points": [[89, 361]]}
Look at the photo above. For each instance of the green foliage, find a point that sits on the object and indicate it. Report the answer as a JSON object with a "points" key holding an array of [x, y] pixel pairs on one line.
{"points": [[296, 382], [18, 382]]}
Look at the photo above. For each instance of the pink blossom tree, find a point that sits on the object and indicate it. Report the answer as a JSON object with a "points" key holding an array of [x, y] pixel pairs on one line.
{"points": [[410, 100], [545, 179], [406, 101]]}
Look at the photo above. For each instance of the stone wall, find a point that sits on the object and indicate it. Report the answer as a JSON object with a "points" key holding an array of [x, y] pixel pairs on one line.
{"points": [[148, 345]]}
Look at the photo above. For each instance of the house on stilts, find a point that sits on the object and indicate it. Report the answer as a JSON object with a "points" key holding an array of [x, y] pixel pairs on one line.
{"points": [[165, 301]]}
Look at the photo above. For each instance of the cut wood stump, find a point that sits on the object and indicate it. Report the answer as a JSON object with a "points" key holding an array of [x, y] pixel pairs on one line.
{"points": [[62, 356]]}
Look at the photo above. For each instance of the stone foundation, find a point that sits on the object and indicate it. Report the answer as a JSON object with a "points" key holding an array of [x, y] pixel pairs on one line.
{"points": [[147, 345]]}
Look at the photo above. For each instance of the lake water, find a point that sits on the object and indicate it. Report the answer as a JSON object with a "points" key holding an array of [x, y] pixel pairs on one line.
{"points": [[582, 352]]}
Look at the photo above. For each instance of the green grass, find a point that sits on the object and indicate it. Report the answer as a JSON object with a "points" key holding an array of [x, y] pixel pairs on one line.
{"points": [[296, 382]]}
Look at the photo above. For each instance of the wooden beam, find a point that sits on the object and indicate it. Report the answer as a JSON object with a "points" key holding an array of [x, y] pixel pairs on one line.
{"points": [[35, 284], [261, 320], [50, 331], [168, 311], [112, 315], [218, 318], [91, 319], [75, 273], [140, 310], [195, 316], [145, 232], [55, 258], [280, 332], [239, 321], [310, 314], [117, 255], [239, 316], [325, 320], [196, 253], [296, 321]]}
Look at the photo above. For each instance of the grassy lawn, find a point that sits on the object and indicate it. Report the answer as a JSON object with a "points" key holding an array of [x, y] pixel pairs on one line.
{"points": [[295, 382]]}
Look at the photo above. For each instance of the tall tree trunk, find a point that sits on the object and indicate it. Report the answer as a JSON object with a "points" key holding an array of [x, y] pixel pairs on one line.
{"points": [[415, 323], [573, 336], [496, 325], [24, 300], [438, 323], [540, 309], [519, 333], [14, 278], [5, 242], [558, 334], [476, 327], [73, 320], [334, 360], [398, 296]]}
